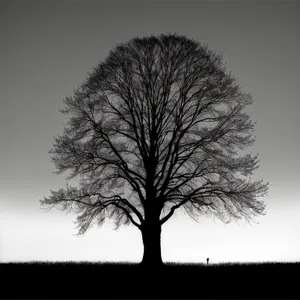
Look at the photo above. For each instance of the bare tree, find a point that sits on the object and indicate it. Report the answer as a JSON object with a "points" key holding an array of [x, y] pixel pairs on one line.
{"points": [[158, 126]]}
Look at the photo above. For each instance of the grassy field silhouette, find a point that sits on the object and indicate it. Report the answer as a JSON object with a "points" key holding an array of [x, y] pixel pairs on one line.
{"points": [[131, 281]]}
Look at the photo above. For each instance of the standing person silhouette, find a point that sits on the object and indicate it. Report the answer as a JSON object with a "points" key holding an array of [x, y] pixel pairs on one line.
{"points": [[207, 261]]}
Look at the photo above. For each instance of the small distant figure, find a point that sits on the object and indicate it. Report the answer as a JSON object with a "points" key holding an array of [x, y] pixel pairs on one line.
{"points": [[207, 261]]}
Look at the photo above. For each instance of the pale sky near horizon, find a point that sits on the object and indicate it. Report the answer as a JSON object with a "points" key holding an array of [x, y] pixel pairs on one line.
{"points": [[47, 49]]}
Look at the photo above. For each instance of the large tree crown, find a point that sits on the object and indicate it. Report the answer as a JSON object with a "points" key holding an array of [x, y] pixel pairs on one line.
{"points": [[158, 125]]}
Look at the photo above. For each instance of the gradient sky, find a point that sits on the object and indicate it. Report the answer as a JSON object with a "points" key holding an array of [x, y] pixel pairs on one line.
{"points": [[47, 49]]}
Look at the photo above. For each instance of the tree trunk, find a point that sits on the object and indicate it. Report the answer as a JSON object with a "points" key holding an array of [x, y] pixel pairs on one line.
{"points": [[151, 233]]}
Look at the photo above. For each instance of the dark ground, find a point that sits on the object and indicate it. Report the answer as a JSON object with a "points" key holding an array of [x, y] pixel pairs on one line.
{"points": [[130, 281]]}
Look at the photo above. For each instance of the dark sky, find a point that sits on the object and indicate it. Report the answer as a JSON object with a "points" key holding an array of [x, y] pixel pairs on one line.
{"points": [[47, 49]]}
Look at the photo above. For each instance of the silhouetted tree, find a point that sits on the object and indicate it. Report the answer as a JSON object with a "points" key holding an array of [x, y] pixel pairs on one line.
{"points": [[158, 126]]}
